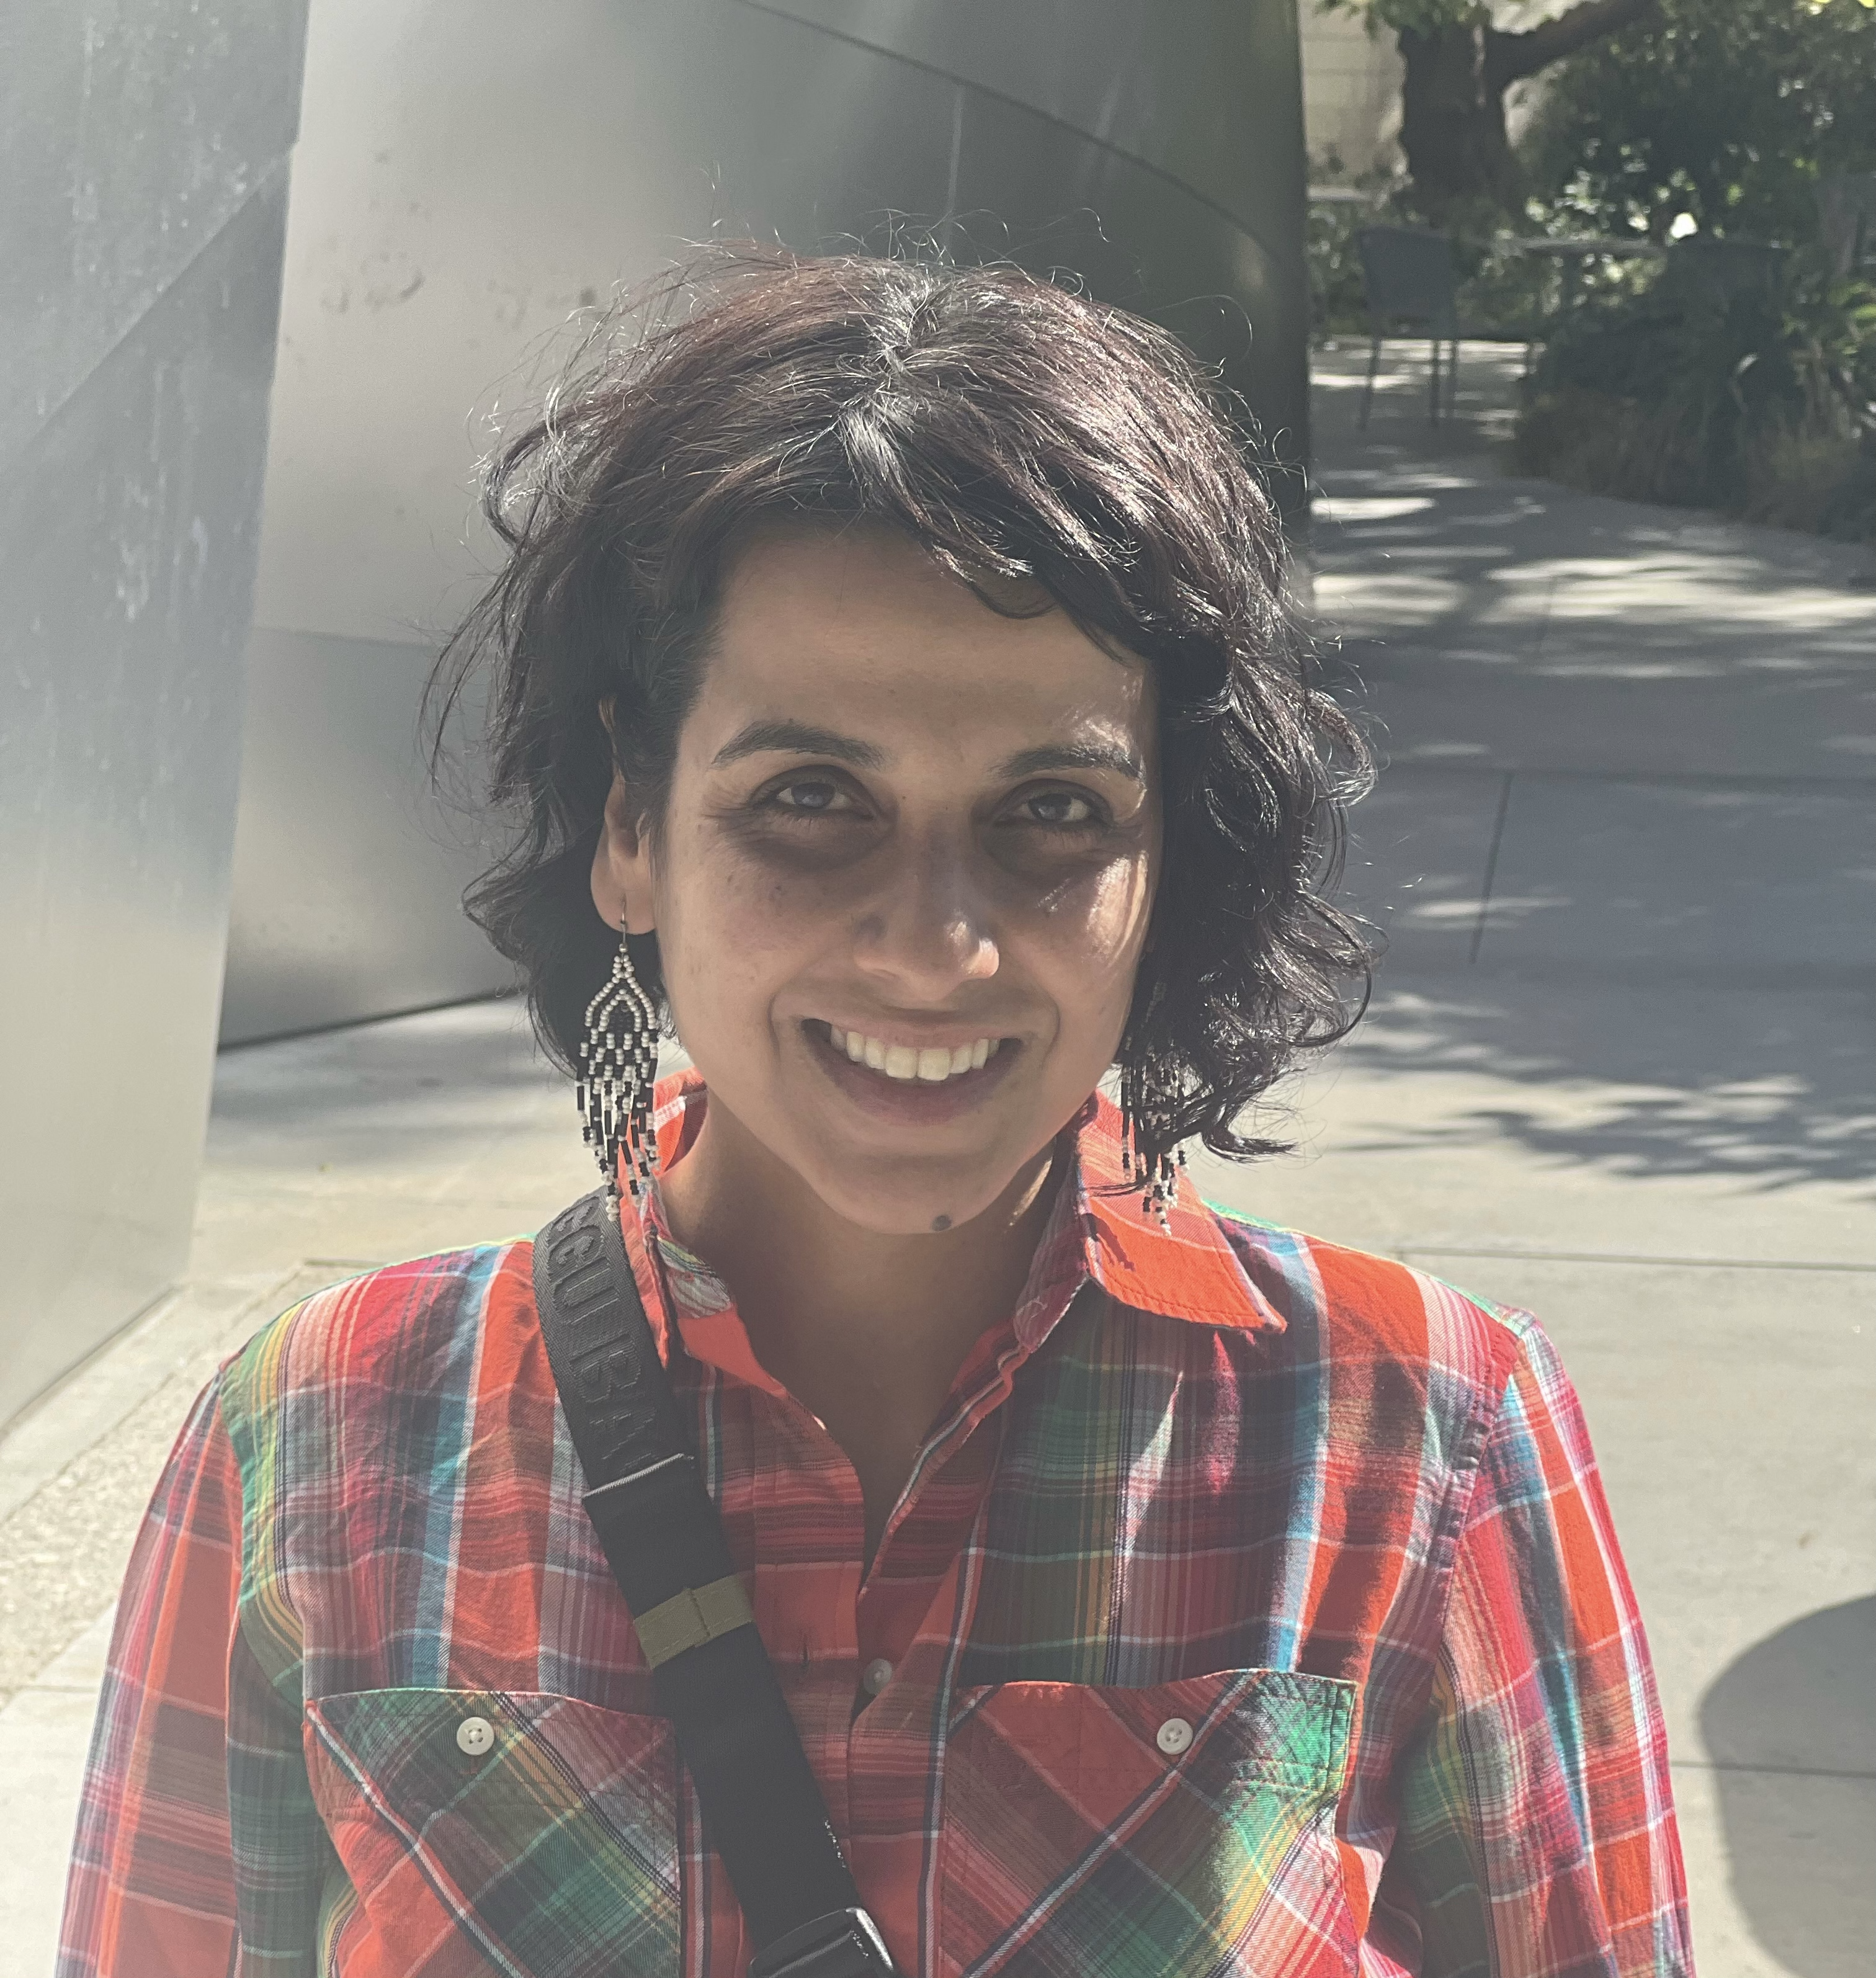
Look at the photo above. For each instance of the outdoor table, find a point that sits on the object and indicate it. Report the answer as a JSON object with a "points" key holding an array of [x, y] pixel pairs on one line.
{"points": [[1570, 252]]}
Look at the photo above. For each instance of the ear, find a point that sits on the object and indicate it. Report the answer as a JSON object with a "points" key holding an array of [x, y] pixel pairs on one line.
{"points": [[622, 875]]}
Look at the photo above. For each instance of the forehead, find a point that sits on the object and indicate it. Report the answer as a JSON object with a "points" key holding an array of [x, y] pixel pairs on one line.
{"points": [[859, 629]]}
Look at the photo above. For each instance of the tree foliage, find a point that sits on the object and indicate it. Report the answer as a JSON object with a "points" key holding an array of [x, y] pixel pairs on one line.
{"points": [[1755, 393], [1723, 114]]}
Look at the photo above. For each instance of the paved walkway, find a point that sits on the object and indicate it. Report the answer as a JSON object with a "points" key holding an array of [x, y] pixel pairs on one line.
{"points": [[1618, 1070]]}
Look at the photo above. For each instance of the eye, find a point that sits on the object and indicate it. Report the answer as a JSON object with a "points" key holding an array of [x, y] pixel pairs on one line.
{"points": [[810, 796], [1060, 810]]}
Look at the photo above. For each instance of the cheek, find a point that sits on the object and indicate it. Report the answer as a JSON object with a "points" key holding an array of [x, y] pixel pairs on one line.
{"points": [[1102, 913], [731, 934], [1087, 935]]}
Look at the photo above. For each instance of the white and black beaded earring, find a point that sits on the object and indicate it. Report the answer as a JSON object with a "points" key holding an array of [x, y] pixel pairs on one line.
{"points": [[618, 1068], [1156, 1176]]}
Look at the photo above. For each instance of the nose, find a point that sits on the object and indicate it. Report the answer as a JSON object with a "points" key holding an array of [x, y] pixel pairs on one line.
{"points": [[927, 931]]}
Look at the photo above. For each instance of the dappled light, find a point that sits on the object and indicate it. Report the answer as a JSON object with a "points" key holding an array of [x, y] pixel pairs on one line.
{"points": [[1647, 1081], [1622, 854]]}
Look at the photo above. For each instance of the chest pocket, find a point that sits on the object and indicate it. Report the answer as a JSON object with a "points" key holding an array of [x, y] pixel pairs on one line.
{"points": [[1168, 1832], [485, 1830]]}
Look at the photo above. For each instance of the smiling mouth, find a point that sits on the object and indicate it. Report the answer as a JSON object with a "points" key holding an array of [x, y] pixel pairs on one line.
{"points": [[917, 1086], [929, 1065]]}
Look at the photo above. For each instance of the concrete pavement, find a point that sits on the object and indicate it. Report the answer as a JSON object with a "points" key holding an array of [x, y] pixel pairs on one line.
{"points": [[1619, 1070]]}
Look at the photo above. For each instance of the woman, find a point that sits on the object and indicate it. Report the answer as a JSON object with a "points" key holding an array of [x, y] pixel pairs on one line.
{"points": [[893, 688]]}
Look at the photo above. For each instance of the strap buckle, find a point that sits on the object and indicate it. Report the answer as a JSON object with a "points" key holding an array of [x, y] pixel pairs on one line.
{"points": [[845, 1944]]}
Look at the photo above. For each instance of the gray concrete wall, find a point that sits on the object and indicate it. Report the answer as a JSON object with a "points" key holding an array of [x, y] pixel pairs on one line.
{"points": [[471, 173], [143, 147]]}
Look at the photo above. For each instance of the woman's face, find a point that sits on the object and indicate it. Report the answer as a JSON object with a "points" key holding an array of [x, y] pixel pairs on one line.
{"points": [[903, 881]]}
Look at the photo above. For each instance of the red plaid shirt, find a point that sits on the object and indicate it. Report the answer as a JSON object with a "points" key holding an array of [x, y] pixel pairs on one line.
{"points": [[1252, 1607]]}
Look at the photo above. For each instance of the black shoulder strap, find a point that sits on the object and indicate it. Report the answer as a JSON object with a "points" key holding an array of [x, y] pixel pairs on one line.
{"points": [[710, 1672]]}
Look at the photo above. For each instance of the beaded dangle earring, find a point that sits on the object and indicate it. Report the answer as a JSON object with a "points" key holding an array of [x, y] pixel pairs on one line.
{"points": [[618, 1068], [1156, 1178]]}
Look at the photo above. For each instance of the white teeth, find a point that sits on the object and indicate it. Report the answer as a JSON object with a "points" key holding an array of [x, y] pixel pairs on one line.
{"points": [[931, 1064]]}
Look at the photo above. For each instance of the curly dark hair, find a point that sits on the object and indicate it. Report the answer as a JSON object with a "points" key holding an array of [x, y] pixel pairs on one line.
{"points": [[1015, 430]]}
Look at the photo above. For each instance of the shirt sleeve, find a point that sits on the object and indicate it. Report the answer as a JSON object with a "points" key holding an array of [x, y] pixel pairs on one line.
{"points": [[1538, 1837], [197, 1850]]}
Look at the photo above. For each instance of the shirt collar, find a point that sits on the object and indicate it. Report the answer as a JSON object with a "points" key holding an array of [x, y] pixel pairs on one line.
{"points": [[1185, 1268]]}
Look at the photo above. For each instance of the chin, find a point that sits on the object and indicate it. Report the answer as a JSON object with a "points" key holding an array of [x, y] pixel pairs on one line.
{"points": [[870, 1195]]}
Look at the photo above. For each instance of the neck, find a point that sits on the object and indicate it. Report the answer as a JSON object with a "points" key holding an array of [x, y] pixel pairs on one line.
{"points": [[811, 1285], [866, 1330]]}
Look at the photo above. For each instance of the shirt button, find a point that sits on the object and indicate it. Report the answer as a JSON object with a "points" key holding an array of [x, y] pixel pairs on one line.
{"points": [[474, 1735], [876, 1675], [1175, 1735]]}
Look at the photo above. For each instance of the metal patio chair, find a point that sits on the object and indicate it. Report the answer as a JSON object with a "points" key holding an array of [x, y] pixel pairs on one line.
{"points": [[1407, 278]]}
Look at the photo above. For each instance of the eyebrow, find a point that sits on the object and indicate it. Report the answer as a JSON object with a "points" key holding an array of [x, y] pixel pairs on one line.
{"points": [[1075, 755], [803, 738], [798, 738]]}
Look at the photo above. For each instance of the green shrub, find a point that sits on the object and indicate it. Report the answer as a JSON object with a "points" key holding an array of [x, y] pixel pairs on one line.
{"points": [[1754, 395], [1821, 482], [1723, 114]]}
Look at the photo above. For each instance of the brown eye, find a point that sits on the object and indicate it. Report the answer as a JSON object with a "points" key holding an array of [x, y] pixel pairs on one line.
{"points": [[1060, 810], [811, 796]]}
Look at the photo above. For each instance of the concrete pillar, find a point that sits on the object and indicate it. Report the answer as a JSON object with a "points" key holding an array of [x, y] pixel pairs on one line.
{"points": [[143, 148]]}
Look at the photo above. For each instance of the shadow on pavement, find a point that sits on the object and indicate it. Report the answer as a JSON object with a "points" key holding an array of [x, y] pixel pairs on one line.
{"points": [[1772, 1090], [1802, 1699], [1791, 1727], [1483, 617], [1622, 847], [1515, 624]]}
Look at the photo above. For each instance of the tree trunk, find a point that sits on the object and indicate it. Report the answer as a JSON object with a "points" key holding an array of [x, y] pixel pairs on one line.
{"points": [[1452, 105], [1452, 124]]}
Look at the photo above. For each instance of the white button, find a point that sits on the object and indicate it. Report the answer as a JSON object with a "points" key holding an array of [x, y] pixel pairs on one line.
{"points": [[876, 1675], [476, 1734], [1175, 1735]]}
